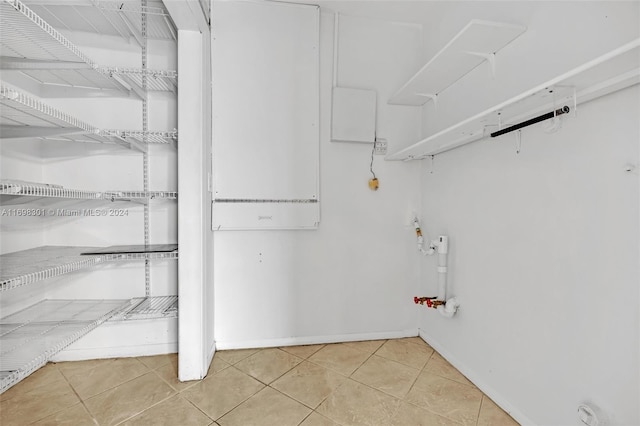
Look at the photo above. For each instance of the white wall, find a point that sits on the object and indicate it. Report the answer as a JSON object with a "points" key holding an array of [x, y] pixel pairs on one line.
{"points": [[544, 258], [353, 277], [544, 245], [19, 160]]}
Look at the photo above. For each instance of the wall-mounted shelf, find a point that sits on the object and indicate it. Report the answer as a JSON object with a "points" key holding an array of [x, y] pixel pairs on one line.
{"points": [[25, 116], [137, 139], [615, 70], [139, 196], [157, 80], [29, 266], [476, 43], [115, 18], [140, 256], [142, 250], [12, 191], [30, 337], [34, 48]]}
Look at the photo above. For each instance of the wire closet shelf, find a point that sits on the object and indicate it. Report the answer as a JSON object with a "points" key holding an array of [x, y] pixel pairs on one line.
{"points": [[41, 263], [114, 18], [30, 337], [42, 190], [30, 45], [25, 116]]}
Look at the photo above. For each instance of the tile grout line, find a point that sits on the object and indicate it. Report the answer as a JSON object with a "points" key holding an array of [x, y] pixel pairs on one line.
{"points": [[302, 360], [480, 409], [195, 382], [336, 371], [149, 370], [399, 399], [283, 374], [357, 381], [152, 368], [196, 407], [118, 385], [306, 417], [257, 350], [244, 400], [419, 370], [322, 345], [364, 384], [300, 402], [77, 395], [470, 384], [148, 408], [384, 392], [269, 384], [446, 378], [422, 369]]}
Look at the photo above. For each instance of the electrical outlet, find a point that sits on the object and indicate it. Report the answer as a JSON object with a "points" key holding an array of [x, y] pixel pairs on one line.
{"points": [[380, 147]]}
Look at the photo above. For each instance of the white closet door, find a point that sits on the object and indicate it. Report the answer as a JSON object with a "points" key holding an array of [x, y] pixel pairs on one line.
{"points": [[265, 115]]}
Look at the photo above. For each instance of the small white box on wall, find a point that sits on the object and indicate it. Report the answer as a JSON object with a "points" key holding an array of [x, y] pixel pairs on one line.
{"points": [[353, 117]]}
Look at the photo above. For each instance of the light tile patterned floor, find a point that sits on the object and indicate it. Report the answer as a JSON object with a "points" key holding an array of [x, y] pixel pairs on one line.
{"points": [[400, 382]]}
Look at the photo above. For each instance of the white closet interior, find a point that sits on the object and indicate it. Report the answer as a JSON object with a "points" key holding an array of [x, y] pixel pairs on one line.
{"points": [[88, 182], [282, 241]]}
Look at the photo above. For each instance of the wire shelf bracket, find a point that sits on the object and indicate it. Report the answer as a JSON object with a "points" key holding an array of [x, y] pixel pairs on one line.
{"points": [[146, 308]]}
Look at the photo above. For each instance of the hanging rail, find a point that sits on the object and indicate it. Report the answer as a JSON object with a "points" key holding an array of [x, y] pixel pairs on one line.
{"points": [[559, 111]]}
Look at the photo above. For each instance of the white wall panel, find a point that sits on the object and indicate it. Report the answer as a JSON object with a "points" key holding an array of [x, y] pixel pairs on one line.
{"points": [[265, 104]]}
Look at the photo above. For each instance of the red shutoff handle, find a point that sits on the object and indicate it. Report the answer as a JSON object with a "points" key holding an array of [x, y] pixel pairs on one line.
{"points": [[431, 302]]}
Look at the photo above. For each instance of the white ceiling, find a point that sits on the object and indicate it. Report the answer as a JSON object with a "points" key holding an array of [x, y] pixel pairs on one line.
{"points": [[424, 12], [415, 11]]}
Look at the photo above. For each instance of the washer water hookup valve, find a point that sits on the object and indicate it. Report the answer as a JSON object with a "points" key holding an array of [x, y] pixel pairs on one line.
{"points": [[431, 302]]}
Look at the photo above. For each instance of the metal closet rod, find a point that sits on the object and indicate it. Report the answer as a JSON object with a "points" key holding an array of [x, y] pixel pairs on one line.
{"points": [[565, 109]]}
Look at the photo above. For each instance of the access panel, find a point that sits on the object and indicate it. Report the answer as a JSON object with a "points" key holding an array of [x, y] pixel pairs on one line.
{"points": [[265, 63]]}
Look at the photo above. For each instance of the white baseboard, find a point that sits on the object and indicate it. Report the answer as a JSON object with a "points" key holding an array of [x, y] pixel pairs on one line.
{"points": [[497, 397], [116, 352], [121, 339], [313, 340]]}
